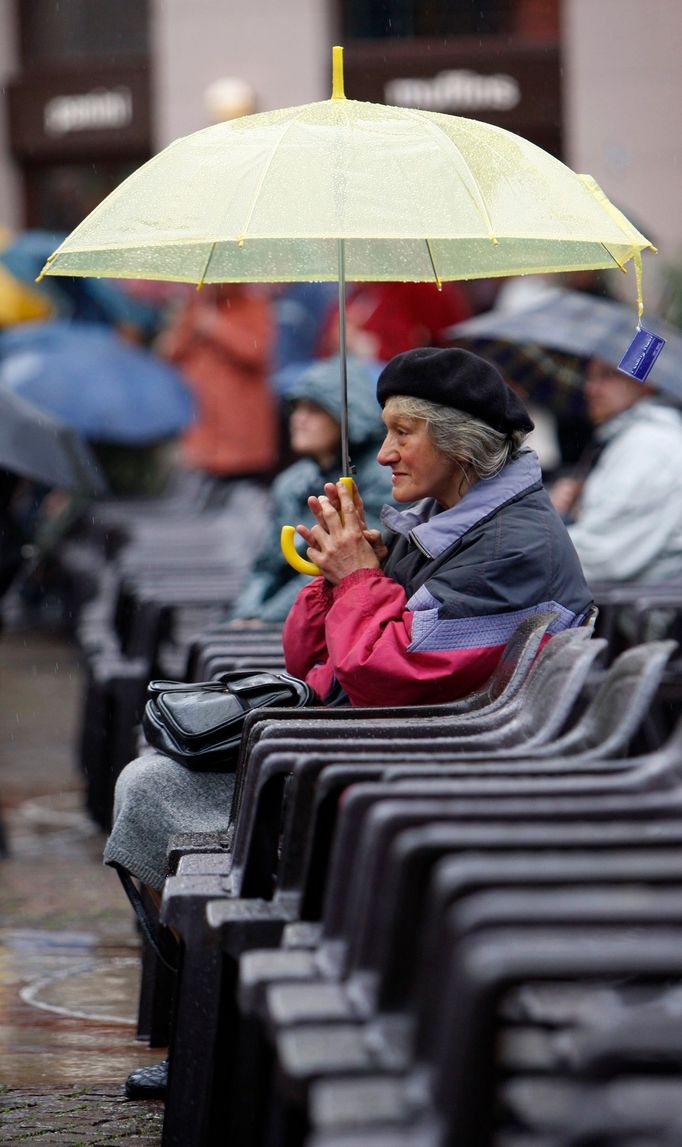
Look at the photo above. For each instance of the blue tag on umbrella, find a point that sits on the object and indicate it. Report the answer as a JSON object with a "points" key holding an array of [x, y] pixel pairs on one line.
{"points": [[641, 354]]}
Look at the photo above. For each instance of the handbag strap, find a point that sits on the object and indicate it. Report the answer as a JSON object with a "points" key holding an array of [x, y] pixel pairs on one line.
{"points": [[139, 907], [241, 682], [156, 686]]}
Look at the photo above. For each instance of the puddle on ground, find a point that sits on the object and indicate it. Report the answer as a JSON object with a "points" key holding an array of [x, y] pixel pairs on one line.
{"points": [[68, 944], [64, 972], [104, 989], [67, 1010]]}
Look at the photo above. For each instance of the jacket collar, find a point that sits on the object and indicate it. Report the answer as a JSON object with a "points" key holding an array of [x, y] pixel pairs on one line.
{"points": [[434, 530]]}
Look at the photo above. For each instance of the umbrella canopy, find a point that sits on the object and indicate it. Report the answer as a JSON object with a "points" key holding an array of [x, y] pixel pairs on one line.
{"points": [[106, 389], [39, 447], [554, 337], [343, 189], [415, 195]]}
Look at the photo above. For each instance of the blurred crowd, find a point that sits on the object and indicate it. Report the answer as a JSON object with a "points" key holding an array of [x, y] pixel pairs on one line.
{"points": [[172, 387]]}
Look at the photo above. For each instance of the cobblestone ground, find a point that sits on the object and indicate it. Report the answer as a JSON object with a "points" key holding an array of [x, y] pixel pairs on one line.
{"points": [[76, 1117], [68, 951]]}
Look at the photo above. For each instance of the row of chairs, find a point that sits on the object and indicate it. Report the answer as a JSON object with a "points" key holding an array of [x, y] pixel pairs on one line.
{"points": [[428, 926], [160, 571], [160, 576], [636, 612]]}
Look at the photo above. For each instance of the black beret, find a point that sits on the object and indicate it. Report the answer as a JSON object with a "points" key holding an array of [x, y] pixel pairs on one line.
{"points": [[456, 378]]}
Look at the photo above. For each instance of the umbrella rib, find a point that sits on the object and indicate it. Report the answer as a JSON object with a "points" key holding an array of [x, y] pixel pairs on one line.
{"points": [[417, 209], [266, 168], [433, 264], [471, 182]]}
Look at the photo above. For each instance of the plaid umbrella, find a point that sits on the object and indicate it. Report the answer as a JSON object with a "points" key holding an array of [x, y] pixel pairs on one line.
{"points": [[544, 347]]}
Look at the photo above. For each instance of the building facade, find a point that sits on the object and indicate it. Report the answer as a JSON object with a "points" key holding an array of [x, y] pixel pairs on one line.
{"points": [[90, 90]]}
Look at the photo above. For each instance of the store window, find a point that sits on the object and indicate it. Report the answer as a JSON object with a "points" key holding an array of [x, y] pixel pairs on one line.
{"points": [[395, 19], [54, 31], [59, 196]]}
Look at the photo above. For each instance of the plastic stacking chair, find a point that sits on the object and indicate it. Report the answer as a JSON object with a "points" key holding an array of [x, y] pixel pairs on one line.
{"points": [[213, 857], [546, 701], [255, 916], [651, 790], [524, 943], [384, 960], [494, 960], [261, 918], [390, 999], [258, 789], [288, 861], [509, 675], [362, 863], [310, 1049], [504, 684], [502, 690], [605, 729], [538, 710], [219, 655], [534, 715], [259, 921]]}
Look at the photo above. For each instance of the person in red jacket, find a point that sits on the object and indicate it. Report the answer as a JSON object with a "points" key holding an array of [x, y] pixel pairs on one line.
{"points": [[422, 614], [222, 340], [385, 319]]}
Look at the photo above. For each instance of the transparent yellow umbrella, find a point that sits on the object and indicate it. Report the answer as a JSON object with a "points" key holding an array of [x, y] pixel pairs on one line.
{"points": [[347, 190]]}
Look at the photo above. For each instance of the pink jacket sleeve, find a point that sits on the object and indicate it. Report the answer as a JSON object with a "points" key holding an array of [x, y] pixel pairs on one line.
{"points": [[360, 632]]}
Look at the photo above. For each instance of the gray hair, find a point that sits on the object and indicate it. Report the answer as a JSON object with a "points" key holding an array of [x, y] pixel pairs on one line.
{"points": [[461, 437]]}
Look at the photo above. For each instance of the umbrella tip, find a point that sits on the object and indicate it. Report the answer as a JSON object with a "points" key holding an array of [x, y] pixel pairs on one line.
{"points": [[39, 278], [338, 92]]}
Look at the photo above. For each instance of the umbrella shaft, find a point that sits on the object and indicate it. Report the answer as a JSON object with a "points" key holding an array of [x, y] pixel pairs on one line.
{"points": [[345, 456]]}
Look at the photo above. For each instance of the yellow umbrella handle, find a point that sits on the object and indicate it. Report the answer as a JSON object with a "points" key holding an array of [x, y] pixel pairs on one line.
{"points": [[289, 549]]}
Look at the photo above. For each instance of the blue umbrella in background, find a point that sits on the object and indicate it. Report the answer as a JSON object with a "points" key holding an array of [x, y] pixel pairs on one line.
{"points": [[83, 300], [103, 387]]}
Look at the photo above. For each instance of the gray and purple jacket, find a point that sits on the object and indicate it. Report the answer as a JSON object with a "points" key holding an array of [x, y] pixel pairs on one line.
{"points": [[431, 624]]}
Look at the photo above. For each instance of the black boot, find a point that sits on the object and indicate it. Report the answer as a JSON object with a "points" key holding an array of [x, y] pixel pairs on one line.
{"points": [[148, 1082]]}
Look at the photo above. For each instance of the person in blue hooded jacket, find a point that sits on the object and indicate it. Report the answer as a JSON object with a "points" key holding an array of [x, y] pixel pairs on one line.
{"points": [[315, 434]]}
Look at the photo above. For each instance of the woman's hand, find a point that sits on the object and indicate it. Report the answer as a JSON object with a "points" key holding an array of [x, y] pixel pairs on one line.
{"points": [[372, 536], [341, 549]]}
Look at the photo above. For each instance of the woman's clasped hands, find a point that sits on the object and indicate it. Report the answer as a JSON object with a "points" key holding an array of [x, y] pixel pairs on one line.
{"points": [[339, 542]]}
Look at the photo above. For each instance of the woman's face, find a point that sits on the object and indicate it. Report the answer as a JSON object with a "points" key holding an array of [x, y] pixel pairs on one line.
{"points": [[313, 432], [418, 469]]}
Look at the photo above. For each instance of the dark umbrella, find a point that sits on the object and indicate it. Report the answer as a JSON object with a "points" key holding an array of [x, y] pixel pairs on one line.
{"points": [[552, 340], [105, 388], [36, 446]]}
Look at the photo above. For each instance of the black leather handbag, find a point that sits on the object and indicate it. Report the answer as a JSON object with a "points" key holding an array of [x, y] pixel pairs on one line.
{"points": [[200, 724]]}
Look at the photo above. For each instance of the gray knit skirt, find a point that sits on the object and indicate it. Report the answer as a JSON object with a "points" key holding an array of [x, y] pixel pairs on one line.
{"points": [[155, 799]]}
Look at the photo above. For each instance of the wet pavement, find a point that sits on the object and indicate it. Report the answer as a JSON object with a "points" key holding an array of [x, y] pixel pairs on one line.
{"points": [[69, 967]]}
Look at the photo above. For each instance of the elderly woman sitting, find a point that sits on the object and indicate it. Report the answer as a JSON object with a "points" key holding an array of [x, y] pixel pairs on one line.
{"points": [[424, 616]]}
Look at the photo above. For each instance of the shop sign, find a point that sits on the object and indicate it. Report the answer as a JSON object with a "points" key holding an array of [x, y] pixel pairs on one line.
{"points": [[514, 86], [80, 113], [99, 110], [457, 90]]}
